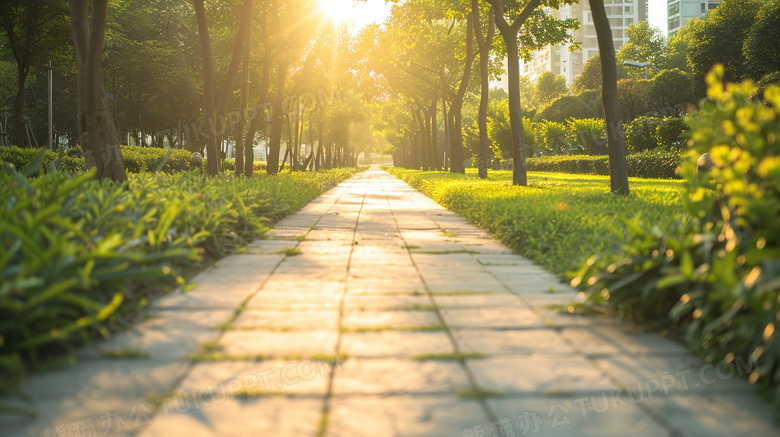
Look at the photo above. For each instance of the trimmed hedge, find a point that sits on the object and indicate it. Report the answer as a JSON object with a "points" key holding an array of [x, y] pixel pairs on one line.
{"points": [[137, 159], [641, 165], [230, 165]]}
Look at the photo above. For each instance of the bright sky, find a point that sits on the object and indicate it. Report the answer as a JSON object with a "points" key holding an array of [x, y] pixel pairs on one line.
{"points": [[363, 13], [358, 13], [657, 14]]}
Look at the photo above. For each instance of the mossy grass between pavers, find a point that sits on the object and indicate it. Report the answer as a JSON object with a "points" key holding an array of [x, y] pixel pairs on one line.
{"points": [[300, 238], [411, 247], [259, 328], [479, 394], [322, 425], [446, 252], [118, 354], [447, 233], [227, 324], [462, 293], [243, 393], [209, 346], [290, 251], [414, 308], [418, 328], [460, 356], [391, 293], [579, 308], [213, 357]]}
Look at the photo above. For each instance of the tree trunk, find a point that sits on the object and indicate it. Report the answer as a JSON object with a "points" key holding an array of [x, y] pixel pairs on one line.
{"points": [[457, 154], [509, 33], [329, 153], [447, 137], [616, 142], [239, 134], [80, 29], [519, 173], [485, 44], [212, 152], [318, 156], [226, 95], [435, 161], [101, 140], [22, 69], [276, 121]]}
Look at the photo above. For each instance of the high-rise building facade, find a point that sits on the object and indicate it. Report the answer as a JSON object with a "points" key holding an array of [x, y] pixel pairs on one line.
{"points": [[560, 60], [679, 12]]}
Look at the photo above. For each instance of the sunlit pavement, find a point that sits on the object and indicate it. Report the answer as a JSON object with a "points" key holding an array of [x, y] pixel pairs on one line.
{"points": [[397, 318]]}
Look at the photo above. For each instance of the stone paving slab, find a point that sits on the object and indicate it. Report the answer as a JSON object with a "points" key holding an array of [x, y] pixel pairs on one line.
{"points": [[393, 376], [397, 318], [395, 416]]}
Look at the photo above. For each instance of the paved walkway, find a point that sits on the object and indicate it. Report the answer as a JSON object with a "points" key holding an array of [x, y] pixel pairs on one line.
{"points": [[392, 317]]}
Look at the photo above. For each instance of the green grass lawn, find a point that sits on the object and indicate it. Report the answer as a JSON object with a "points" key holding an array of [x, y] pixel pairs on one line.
{"points": [[559, 220]]}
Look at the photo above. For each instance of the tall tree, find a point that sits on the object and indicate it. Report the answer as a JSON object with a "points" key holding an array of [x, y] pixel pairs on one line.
{"points": [[485, 43], [511, 16], [720, 39], [212, 153], [549, 86], [616, 139], [645, 44], [589, 78], [761, 48], [97, 132], [27, 25]]}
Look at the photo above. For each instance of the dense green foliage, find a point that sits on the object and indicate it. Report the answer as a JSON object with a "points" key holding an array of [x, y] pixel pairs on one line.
{"points": [[559, 220], [655, 165], [720, 39], [762, 53], [81, 256], [712, 277], [137, 159], [640, 134], [565, 107], [572, 137]]}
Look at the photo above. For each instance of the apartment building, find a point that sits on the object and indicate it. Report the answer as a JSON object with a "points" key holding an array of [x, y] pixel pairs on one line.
{"points": [[560, 60], [679, 12]]}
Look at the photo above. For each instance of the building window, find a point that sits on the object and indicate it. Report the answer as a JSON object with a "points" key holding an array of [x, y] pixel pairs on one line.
{"points": [[629, 9], [703, 8], [628, 21], [589, 18]]}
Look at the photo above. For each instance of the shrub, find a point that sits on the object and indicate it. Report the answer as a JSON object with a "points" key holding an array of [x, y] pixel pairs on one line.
{"points": [[230, 165], [713, 278], [584, 131], [668, 132], [553, 138], [137, 159], [769, 79], [565, 107], [640, 134], [654, 165], [592, 98]]}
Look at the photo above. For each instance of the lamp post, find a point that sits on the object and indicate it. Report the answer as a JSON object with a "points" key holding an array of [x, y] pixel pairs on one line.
{"points": [[644, 65]]}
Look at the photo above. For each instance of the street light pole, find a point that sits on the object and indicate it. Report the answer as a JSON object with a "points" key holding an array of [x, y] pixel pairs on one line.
{"points": [[644, 65]]}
